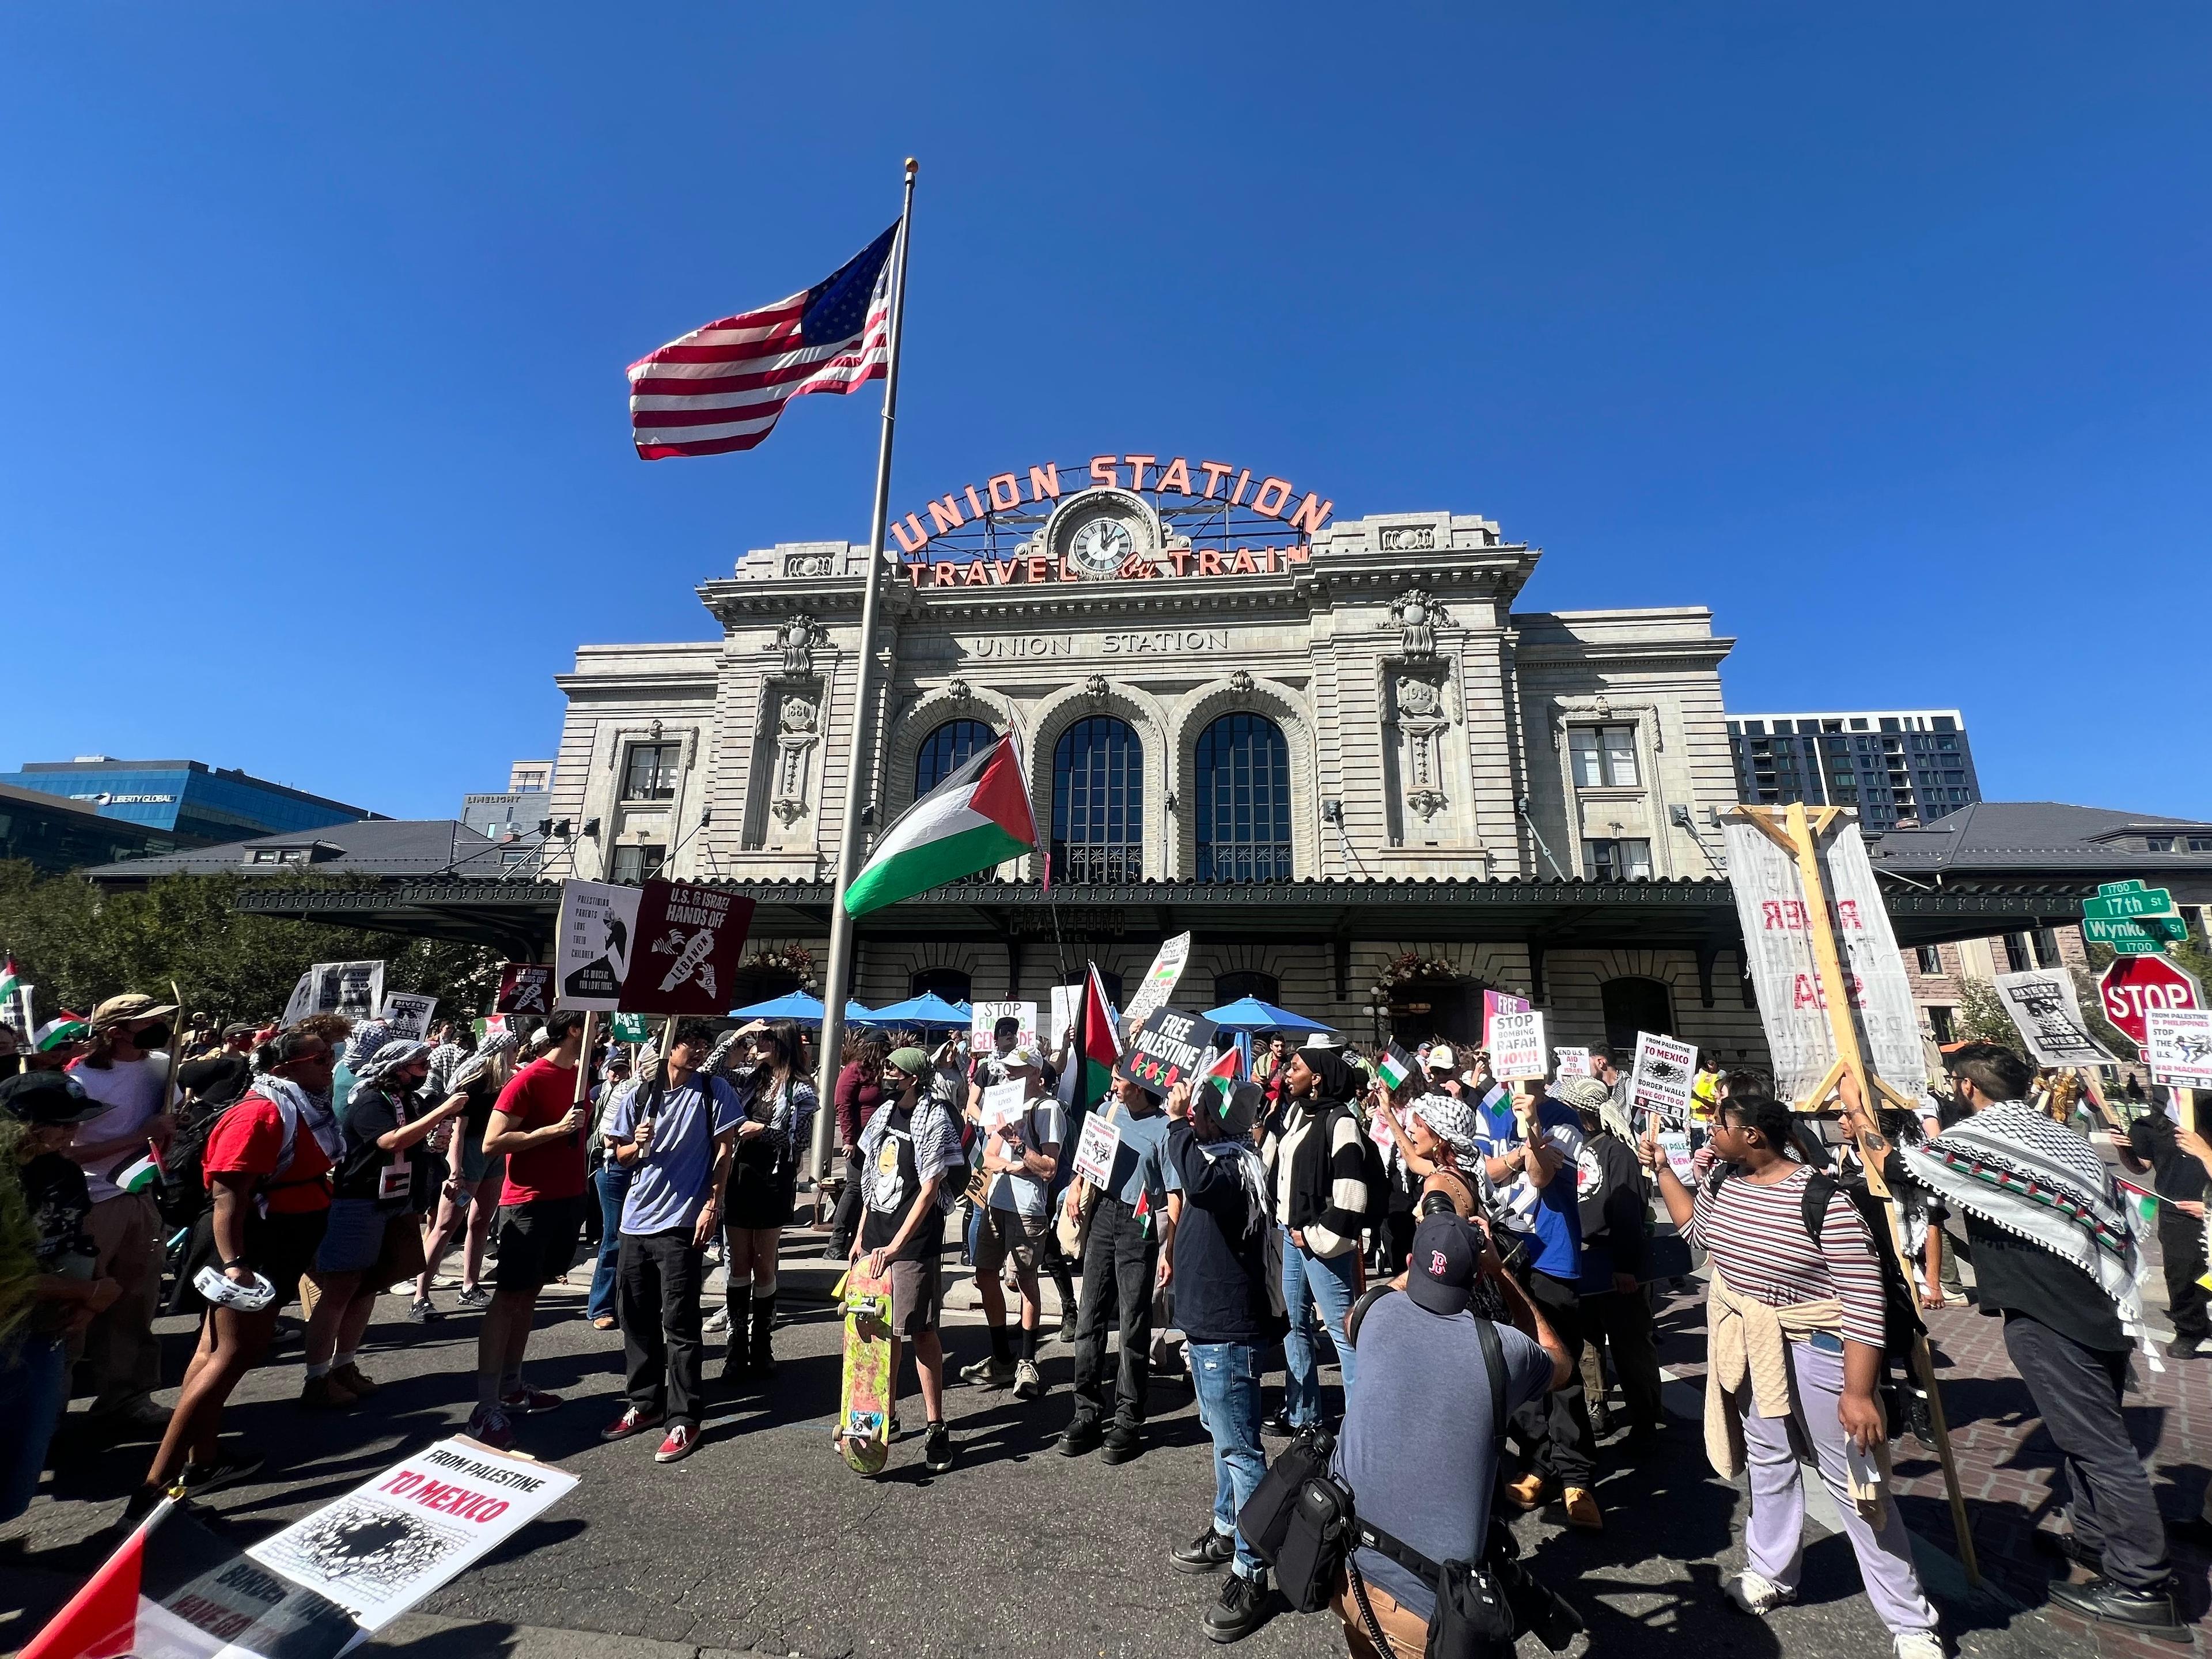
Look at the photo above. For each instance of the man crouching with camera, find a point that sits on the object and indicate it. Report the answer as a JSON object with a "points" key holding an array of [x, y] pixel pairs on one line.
{"points": [[1427, 1357]]}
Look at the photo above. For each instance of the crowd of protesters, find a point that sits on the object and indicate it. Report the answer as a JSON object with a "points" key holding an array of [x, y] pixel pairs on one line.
{"points": [[1447, 1240]]}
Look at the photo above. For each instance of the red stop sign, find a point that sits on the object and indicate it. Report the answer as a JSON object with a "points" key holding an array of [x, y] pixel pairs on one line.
{"points": [[2133, 986]]}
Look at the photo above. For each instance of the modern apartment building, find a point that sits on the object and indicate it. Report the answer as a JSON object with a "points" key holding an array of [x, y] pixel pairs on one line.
{"points": [[1896, 765]]}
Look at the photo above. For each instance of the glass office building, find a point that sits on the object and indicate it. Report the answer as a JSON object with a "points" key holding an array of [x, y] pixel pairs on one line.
{"points": [[1894, 766], [198, 804]]}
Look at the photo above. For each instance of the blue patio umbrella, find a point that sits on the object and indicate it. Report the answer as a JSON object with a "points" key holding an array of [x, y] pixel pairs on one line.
{"points": [[804, 1009], [928, 1011], [1250, 1014]]}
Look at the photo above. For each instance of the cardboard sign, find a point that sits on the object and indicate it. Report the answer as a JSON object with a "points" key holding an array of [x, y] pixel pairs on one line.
{"points": [[1495, 1003], [1770, 906], [1159, 982], [1571, 1062], [385, 1545], [408, 1013], [524, 987], [1095, 1149], [1675, 1143], [1002, 1103], [1516, 1045], [1665, 1070], [1171, 1047], [355, 989], [592, 943], [2047, 1013], [2179, 1049], [690, 938], [984, 1017]]}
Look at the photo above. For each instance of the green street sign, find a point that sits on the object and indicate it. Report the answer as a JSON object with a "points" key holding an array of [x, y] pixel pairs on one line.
{"points": [[2117, 930], [2114, 889], [2146, 901], [2136, 947]]}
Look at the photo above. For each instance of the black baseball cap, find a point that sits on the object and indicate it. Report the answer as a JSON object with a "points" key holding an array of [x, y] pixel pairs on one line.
{"points": [[47, 1097], [1441, 1275]]}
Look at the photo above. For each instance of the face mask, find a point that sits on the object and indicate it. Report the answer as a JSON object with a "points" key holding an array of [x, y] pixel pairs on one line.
{"points": [[152, 1037]]}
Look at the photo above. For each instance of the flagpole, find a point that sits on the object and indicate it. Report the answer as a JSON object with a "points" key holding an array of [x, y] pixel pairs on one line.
{"points": [[848, 837]]}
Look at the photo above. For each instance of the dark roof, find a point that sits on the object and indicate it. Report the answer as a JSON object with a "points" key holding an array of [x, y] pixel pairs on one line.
{"points": [[400, 848], [2040, 838]]}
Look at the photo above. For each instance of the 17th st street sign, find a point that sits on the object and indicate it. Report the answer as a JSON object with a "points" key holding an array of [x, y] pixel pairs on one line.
{"points": [[2135, 921], [2130, 898]]}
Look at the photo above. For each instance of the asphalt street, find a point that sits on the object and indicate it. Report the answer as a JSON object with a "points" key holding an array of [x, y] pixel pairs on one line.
{"points": [[763, 1541]]}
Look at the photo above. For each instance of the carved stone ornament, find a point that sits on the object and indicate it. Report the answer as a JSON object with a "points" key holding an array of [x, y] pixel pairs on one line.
{"points": [[796, 639], [1095, 688], [959, 690], [1415, 615], [796, 720], [1241, 683], [1427, 802], [1421, 724]]}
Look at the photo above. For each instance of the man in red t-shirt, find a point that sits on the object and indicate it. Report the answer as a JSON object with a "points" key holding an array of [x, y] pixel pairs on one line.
{"points": [[247, 1169], [538, 1125]]}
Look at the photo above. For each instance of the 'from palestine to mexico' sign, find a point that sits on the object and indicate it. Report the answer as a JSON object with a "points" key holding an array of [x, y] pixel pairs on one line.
{"points": [[668, 947]]}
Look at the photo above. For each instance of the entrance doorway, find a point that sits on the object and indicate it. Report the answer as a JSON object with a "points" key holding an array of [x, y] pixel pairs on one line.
{"points": [[1441, 1008], [1633, 1006]]}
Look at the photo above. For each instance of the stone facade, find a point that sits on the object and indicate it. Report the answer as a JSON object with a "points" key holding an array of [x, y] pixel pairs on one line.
{"points": [[1431, 731]]}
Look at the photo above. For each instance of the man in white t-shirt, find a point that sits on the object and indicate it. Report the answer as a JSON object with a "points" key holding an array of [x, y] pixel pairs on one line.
{"points": [[126, 1069], [1021, 1153]]}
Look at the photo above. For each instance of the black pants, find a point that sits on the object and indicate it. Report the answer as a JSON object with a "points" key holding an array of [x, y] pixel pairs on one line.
{"points": [[1623, 1319], [1121, 1256], [2187, 1300], [845, 1221], [657, 1302], [2076, 1392], [1556, 1427]]}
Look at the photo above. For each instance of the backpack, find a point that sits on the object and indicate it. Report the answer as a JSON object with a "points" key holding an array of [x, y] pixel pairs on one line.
{"points": [[184, 1197]]}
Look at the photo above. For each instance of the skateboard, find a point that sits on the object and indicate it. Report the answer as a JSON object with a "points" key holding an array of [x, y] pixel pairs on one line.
{"points": [[864, 1405]]}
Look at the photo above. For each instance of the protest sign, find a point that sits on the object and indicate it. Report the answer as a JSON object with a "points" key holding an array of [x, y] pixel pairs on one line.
{"points": [[631, 1028], [408, 1013], [1002, 1103], [1495, 1003], [1095, 1149], [1159, 982], [1066, 999], [2047, 1013], [1662, 1079], [1770, 903], [1516, 1045], [385, 1545], [1675, 1143], [984, 1017], [591, 944], [355, 989], [1571, 1062], [1171, 1047], [2179, 1046], [524, 987], [690, 938]]}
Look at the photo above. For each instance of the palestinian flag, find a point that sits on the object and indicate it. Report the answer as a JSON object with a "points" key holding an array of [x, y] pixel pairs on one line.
{"points": [[1394, 1065], [64, 1027], [1222, 1074], [139, 1177], [1097, 1048], [176, 1590], [978, 817], [11, 987]]}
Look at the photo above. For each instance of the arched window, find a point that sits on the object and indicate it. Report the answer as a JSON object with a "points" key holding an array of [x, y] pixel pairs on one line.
{"points": [[1243, 800], [1099, 802], [1633, 1006], [945, 751], [1228, 987], [950, 983]]}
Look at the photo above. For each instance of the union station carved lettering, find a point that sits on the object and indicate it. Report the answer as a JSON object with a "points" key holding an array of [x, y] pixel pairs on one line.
{"points": [[1008, 646]]}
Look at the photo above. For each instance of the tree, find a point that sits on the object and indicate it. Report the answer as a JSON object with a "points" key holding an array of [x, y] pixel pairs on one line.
{"points": [[78, 944], [1981, 1017]]}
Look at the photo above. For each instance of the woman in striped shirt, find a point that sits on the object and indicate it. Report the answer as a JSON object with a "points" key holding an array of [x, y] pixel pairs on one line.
{"points": [[1793, 1331]]}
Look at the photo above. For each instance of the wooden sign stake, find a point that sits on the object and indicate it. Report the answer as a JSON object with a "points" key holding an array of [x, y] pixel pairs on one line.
{"points": [[1798, 834]]}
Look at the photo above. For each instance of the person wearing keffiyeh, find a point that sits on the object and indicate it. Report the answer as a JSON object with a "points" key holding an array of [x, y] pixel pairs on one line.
{"points": [[2055, 1253]]}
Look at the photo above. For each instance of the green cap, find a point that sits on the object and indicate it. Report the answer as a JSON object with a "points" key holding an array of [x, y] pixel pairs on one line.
{"points": [[912, 1061]]}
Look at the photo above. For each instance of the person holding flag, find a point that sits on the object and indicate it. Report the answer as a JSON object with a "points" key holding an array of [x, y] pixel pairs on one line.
{"points": [[1020, 1155]]}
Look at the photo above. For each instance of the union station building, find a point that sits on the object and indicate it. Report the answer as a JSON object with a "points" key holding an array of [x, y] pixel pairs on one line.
{"points": [[1332, 749]]}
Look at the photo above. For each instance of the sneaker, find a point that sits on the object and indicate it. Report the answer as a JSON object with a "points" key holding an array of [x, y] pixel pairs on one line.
{"points": [[633, 1421], [936, 1448], [422, 1310], [489, 1424], [201, 1479], [991, 1373], [529, 1402], [1121, 1444], [1079, 1439], [1756, 1596], [1917, 1645], [326, 1393], [681, 1441], [2183, 1348], [1528, 1493], [1582, 1510], [349, 1376], [1207, 1552], [717, 1321], [448, 1282], [2150, 1612], [892, 1431], [475, 1297], [1068, 1322], [1279, 1425], [1242, 1610], [1028, 1381]]}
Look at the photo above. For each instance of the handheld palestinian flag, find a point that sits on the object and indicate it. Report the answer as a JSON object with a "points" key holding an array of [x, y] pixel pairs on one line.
{"points": [[11, 987], [1097, 1048], [1222, 1074], [139, 1177], [1394, 1065], [977, 818], [64, 1028]]}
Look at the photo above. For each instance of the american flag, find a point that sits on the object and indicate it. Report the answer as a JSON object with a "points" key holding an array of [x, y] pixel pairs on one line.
{"points": [[721, 387]]}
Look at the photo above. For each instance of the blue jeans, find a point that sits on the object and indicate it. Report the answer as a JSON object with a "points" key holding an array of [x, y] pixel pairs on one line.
{"points": [[34, 1390], [1226, 1378], [1309, 1280], [612, 1182]]}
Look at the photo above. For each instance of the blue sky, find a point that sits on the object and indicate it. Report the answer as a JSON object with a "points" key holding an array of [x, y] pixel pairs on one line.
{"points": [[1882, 331]]}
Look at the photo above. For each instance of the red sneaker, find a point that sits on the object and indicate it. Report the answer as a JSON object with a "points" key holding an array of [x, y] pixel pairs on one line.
{"points": [[529, 1402], [489, 1424], [679, 1445], [632, 1421]]}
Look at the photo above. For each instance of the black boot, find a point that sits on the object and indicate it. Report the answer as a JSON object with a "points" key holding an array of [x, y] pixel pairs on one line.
{"points": [[735, 1366], [763, 1365]]}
